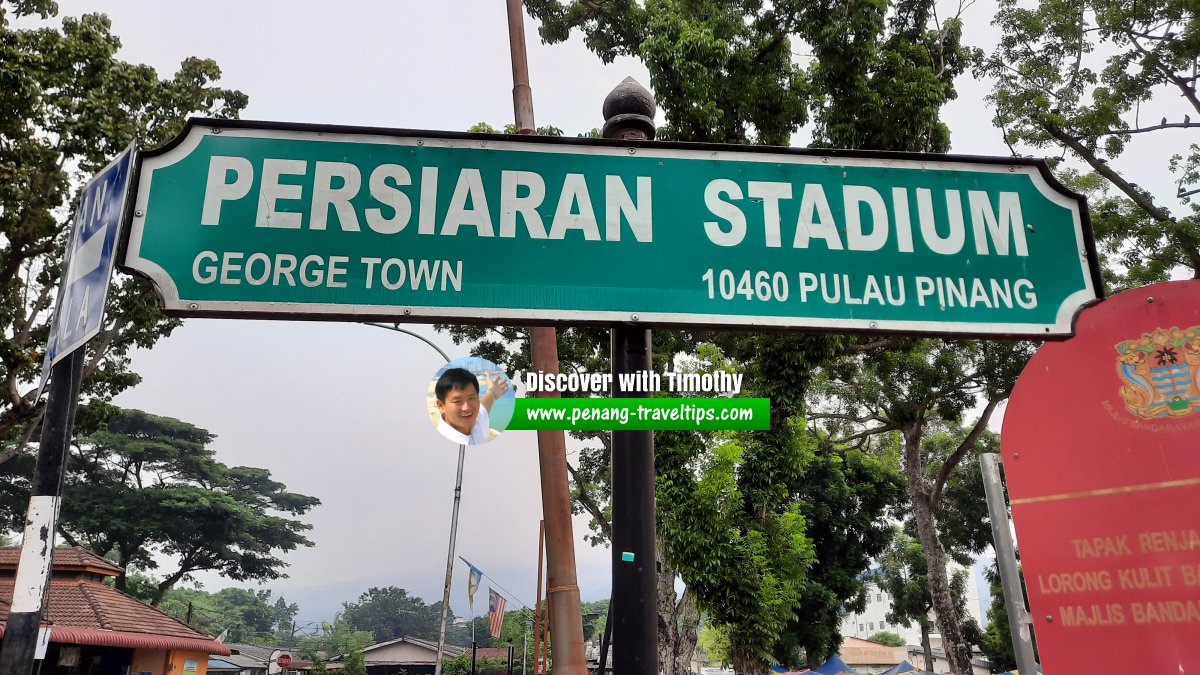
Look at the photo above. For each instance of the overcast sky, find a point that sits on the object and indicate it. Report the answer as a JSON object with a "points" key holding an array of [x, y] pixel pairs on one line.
{"points": [[337, 410]]}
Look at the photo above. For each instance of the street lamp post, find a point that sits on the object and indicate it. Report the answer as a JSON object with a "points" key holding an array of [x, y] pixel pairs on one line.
{"points": [[462, 454]]}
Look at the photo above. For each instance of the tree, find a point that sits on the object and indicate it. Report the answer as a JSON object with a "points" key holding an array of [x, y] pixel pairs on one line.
{"points": [[714, 644], [916, 387], [391, 612], [354, 663], [903, 571], [335, 638], [70, 106], [244, 615], [877, 78], [283, 616], [149, 485], [1075, 77], [887, 637]]}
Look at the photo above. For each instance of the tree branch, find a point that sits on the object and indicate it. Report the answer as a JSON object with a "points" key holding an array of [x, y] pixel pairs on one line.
{"points": [[1142, 130], [1171, 76], [589, 502], [962, 449], [20, 447], [869, 432], [1103, 169]]}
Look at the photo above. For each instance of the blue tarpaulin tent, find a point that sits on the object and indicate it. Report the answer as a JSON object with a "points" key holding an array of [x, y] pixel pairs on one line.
{"points": [[835, 666], [903, 667]]}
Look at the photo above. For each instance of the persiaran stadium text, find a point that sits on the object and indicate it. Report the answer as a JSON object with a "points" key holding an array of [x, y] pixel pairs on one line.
{"points": [[870, 289], [232, 268], [386, 198]]}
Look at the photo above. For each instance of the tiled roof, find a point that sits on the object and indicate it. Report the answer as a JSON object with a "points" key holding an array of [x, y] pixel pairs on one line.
{"points": [[91, 604], [74, 635], [72, 558]]}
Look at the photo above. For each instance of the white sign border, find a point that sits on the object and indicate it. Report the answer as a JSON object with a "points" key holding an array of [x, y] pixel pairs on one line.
{"points": [[196, 130]]}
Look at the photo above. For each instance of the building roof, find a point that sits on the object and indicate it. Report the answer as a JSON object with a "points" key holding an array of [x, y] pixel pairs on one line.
{"points": [[244, 661], [449, 650], [941, 654], [859, 652], [258, 653], [66, 559], [85, 611]]}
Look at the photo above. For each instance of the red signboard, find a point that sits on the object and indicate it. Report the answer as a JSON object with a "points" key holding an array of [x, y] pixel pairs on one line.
{"points": [[284, 660], [1101, 447]]}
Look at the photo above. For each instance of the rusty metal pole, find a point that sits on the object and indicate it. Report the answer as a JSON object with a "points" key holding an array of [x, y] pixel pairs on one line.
{"points": [[564, 613], [537, 604], [629, 115], [522, 94]]}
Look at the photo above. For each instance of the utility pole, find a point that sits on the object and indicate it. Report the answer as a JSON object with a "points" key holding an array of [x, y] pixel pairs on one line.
{"points": [[1006, 559], [565, 616], [629, 116], [37, 551]]}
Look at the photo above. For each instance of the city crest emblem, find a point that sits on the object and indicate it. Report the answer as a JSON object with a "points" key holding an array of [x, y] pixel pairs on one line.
{"points": [[1160, 372]]}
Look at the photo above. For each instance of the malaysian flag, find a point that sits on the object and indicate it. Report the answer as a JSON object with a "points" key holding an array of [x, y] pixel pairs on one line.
{"points": [[495, 612]]}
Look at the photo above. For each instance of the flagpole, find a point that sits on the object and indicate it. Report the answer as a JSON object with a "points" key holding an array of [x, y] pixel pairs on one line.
{"points": [[462, 454]]}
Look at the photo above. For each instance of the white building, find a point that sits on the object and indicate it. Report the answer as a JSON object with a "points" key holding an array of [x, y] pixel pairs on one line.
{"points": [[874, 617]]}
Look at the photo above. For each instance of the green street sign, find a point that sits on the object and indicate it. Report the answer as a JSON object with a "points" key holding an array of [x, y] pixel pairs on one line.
{"points": [[248, 218]]}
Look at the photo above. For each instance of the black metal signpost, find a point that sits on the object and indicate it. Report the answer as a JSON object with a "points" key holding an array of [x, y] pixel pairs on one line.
{"points": [[78, 316], [633, 610]]}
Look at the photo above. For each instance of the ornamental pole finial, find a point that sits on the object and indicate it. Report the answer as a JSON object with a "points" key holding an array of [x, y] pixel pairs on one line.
{"points": [[629, 112]]}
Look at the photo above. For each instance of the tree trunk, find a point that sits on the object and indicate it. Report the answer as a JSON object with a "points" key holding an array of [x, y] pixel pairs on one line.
{"points": [[678, 622], [957, 652], [745, 663], [687, 622], [666, 611], [926, 646]]}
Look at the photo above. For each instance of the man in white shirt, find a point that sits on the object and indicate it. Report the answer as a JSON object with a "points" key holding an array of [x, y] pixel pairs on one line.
{"points": [[464, 412]]}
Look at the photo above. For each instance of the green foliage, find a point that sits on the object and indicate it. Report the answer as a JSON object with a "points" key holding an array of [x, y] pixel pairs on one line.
{"points": [[1084, 77], [461, 665], [876, 77], [485, 128], [903, 574], [70, 106], [149, 485], [887, 637], [996, 641], [914, 393], [335, 638], [391, 613], [736, 546], [595, 614], [729, 71], [715, 645], [354, 663], [249, 616]]}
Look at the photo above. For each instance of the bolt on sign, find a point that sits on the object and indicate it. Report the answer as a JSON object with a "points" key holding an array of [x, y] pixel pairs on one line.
{"points": [[1101, 448], [248, 218]]}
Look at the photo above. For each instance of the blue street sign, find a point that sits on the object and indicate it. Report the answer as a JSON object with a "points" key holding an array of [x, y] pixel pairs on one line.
{"points": [[79, 312]]}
